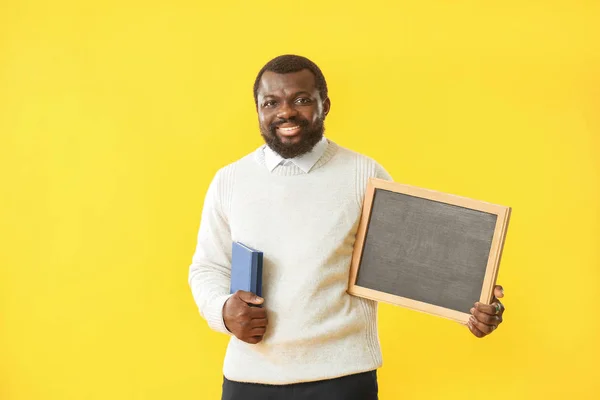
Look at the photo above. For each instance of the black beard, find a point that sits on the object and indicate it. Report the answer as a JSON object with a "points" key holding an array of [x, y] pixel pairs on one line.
{"points": [[309, 138]]}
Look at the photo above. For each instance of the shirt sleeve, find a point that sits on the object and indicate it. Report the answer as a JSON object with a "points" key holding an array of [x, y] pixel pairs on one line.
{"points": [[210, 271]]}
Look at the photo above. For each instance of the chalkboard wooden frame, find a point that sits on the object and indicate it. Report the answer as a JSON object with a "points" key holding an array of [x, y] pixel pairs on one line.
{"points": [[493, 261]]}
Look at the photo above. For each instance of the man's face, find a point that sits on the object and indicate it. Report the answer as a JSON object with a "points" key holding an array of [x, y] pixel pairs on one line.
{"points": [[290, 112]]}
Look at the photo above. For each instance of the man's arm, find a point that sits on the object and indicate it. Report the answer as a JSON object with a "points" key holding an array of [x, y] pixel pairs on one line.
{"points": [[210, 271]]}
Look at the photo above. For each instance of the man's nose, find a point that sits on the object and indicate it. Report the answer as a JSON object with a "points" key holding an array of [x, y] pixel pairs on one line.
{"points": [[286, 111]]}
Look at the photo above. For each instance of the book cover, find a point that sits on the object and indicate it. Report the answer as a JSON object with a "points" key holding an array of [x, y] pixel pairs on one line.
{"points": [[246, 269]]}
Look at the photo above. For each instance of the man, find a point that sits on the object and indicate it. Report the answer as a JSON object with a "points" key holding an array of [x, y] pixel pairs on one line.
{"points": [[298, 199]]}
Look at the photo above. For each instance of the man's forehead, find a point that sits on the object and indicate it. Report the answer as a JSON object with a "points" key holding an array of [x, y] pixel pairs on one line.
{"points": [[271, 82]]}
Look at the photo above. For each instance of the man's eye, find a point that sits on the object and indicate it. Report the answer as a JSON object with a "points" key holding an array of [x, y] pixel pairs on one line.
{"points": [[302, 100], [269, 103]]}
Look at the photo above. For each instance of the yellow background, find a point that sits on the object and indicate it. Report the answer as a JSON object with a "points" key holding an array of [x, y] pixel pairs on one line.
{"points": [[114, 116]]}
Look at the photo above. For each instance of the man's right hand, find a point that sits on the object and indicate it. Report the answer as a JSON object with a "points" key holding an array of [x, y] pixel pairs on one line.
{"points": [[247, 323]]}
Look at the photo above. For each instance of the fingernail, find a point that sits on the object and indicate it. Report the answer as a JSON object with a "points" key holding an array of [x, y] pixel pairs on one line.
{"points": [[477, 304], [472, 320], [472, 310]]}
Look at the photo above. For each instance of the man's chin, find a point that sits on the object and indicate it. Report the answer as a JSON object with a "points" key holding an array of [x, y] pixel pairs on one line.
{"points": [[291, 146], [290, 140], [290, 150]]}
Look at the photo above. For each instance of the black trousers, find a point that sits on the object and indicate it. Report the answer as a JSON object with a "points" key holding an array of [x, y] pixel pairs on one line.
{"points": [[361, 386]]}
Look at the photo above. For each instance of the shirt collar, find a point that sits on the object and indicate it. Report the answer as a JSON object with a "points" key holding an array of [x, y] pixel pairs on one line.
{"points": [[305, 161]]}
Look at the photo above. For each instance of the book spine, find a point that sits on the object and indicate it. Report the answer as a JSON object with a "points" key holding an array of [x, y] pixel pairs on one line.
{"points": [[259, 272]]}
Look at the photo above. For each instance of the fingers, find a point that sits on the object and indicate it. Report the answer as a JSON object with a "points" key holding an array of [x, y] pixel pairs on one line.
{"points": [[259, 322], [249, 319], [474, 330], [486, 318], [484, 328], [258, 331], [485, 308], [499, 291], [255, 313], [256, 327], [253, 335], [496, 308], [249, 297], [247, 322], [253, 339], [243, 312]]}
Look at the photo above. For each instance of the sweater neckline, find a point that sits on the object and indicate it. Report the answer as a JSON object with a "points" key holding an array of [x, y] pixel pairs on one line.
{"points": [[293, 169]]}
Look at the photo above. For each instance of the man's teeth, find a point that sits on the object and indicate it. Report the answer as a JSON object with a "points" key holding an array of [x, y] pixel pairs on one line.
{"points": [[291, 128]]}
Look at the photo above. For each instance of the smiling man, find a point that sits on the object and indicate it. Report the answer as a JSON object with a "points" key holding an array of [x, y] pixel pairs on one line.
{"points": [[298, 198], [291, 111]]}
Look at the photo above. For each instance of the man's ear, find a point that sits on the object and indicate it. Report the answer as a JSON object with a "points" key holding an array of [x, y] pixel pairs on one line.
{"points": [[326, 106]]}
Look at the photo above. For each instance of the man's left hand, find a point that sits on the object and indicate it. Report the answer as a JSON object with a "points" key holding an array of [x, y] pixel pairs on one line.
{"points": [[486, 317]]}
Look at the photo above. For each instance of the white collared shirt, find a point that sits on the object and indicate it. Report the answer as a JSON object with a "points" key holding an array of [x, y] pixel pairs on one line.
{"points": [[305, 161]]}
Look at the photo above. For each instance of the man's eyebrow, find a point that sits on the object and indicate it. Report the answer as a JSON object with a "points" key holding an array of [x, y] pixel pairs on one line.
{"points": [[302, 92], [296, 94], [268, 95]]}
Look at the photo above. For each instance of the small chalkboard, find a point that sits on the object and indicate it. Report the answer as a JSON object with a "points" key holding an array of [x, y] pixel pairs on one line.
{"points": [[426, 250]]}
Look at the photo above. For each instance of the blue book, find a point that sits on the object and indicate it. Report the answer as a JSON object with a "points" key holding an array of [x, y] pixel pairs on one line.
{"points": [[246, 269]]}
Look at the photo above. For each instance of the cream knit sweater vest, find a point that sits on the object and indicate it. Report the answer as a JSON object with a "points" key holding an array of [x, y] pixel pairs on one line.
{"points": [[305, 223]]}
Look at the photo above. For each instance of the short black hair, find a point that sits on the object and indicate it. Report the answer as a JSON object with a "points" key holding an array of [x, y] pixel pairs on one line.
{"points": [[288, 63]]}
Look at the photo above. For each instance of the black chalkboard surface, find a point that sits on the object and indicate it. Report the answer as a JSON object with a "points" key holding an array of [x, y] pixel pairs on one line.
{"points": [[426, 250]]}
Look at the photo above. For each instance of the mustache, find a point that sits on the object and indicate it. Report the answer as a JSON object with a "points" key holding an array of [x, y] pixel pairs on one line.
{"points": [[300, 122]]}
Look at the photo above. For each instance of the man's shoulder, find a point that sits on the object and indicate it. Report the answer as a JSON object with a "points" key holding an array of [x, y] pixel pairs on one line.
{"points": [[355, 155], [243, 162], [365, 165]]}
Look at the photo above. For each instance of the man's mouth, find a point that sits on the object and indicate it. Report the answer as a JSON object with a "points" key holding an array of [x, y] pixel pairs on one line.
{"points": [[289, 130]]}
